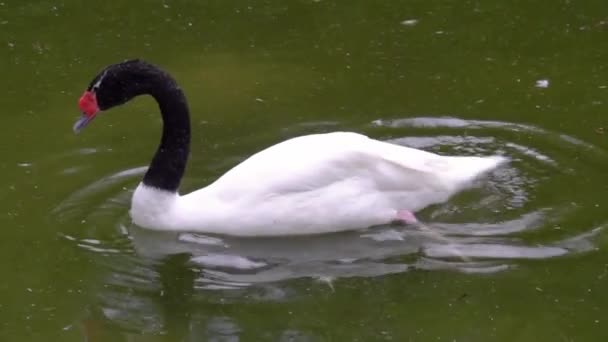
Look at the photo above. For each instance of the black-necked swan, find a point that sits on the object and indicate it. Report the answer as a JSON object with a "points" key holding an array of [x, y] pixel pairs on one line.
{"points": [[311, 184]]}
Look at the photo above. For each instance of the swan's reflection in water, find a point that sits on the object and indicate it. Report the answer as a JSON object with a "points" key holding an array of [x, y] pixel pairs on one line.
{"points": [[164, 284], [150, 298]]}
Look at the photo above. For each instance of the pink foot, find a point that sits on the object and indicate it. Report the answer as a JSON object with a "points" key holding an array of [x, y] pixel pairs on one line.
{"points": [[406, 216]]}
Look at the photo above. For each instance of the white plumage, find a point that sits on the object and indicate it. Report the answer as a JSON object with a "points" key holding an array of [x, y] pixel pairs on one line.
{"points": [[312, 184]]}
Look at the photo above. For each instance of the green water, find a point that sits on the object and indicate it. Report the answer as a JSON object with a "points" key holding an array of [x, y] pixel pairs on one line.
{"points": [[526, 258]]}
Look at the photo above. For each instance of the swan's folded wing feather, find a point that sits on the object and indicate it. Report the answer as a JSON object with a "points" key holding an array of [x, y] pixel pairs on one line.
{"points": [[318, 161]]}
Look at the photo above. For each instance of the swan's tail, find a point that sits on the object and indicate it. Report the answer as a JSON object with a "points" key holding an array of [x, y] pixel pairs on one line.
{"points": [[464, 170]]}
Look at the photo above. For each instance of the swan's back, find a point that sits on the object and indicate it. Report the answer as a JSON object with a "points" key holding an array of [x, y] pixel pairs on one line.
{"points": [[316, 161]]}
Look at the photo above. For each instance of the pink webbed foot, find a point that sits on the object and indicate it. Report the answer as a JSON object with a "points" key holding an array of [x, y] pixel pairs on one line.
{"points": [[405, 216]]}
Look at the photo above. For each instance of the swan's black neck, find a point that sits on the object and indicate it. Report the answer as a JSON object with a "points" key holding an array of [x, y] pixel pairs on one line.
{"points": [[117, 84], [169, 163]]}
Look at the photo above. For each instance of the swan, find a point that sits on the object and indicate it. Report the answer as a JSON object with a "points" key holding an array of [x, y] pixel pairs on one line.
{"points": [[312, 184]]}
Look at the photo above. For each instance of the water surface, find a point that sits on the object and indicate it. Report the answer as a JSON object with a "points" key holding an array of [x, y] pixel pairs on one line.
{"points": [[520, 256]]}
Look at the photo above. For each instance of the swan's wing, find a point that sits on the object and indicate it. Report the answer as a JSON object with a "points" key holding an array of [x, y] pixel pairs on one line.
{"points": [[317, 161]]}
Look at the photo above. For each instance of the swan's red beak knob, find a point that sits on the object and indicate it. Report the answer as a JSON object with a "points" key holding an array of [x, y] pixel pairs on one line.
{"points": [[88, 106]]}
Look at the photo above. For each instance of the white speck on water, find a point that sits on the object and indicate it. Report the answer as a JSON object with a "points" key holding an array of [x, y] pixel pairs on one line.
{"points": [[71, 238], [165, 6], [539, 289], [409, 22], [347, 260], [11, 45], [229, 261], [24, 164], [328, 280], [259, 99], [542, 84], [603, 87]]}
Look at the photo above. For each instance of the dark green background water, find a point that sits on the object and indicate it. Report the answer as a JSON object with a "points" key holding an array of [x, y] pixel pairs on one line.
{"points": [[256, 72]]}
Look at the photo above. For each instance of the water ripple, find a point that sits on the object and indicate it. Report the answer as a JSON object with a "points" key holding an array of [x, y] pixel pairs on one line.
{"points": [[519, 212]]}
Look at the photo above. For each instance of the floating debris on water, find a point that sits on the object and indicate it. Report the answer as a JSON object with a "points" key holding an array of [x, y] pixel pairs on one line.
{"points": [[542, 84], [409, 22]]}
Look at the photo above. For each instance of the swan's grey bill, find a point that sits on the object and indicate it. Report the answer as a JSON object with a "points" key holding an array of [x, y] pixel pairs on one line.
{"points": [[82, 122]]}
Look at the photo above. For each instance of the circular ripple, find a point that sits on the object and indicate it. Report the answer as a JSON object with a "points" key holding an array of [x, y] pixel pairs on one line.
{"points": [[542, 204], [537, 206]]}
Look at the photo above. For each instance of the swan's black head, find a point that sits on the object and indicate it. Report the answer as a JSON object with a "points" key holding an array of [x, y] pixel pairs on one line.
{"points": [[116, 85]]}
